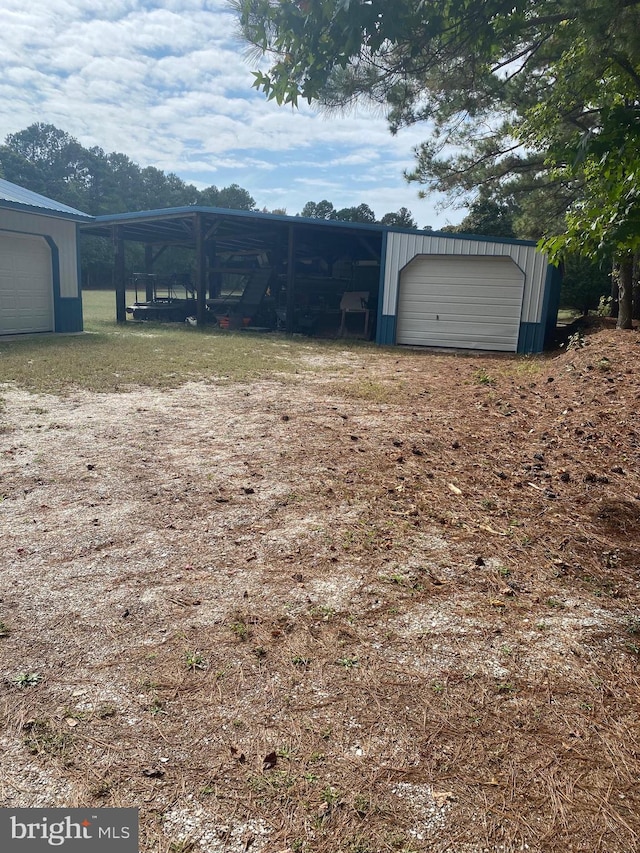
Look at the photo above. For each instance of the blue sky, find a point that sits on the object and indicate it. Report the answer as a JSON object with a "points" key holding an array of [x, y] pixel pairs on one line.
{"points": [[167, 82]]}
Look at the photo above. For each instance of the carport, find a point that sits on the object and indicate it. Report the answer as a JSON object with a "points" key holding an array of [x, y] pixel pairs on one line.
{"points": [[304, 267], [396, 286]]}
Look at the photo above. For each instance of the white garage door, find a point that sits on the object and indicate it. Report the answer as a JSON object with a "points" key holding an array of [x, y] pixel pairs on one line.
{"points": [[26, 286], [472, 302]]}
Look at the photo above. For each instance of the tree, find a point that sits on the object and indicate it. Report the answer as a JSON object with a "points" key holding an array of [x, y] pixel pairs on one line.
{"points": [[50, 161], [605, 221], [584, 283], [233, 197], [321, 210], [16, 168], [403, 218], [361, 213], [489, 216], [41, 144], [157, 189], [518, 95]]}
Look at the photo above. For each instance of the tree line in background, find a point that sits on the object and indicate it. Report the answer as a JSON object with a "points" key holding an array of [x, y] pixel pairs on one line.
{"points": [[324, 209], [49, 161], [533, 106]]}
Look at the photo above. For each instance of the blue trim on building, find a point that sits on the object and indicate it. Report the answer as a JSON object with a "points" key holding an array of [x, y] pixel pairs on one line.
{"points": [[163, 213], [383, 260], [552, 285], [67, 311], [116, 218], [387, 330], [530, 338], [479, 238], [69, 315], [55, 277], [80, 321], [534, 337]]}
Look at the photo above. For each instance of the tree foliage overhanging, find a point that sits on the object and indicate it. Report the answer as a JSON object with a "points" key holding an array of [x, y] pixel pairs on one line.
{"points": [[532, 100]]}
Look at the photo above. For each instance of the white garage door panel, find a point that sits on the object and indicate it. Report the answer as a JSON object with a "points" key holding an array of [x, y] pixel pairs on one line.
{"points": [[26, 288], [467, 302], [451, 310], [475, 335]]}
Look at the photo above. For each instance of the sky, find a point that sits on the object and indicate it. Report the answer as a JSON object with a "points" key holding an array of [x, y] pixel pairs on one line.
{"points": [[169, 84]]}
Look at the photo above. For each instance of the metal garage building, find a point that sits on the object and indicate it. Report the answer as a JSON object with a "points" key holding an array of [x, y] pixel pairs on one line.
{"points": [[418, 288], [448, 290], [39, 268]]}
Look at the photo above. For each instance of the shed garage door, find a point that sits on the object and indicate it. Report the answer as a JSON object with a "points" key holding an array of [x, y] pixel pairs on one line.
{"points": [[472, 302], [26, 288]]}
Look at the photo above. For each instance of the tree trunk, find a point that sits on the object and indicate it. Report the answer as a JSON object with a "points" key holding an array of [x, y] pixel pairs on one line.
{"points": [[615, 273], [636, 285], [625, 292]]}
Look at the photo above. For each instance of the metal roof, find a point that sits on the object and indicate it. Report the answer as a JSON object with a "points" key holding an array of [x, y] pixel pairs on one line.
{"points": [[118, 218], [232, 230], [13, 196], [174, 225]]}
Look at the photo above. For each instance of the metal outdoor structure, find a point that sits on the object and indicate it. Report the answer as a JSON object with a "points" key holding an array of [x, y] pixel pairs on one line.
{"points": [[299, 265], [304, 275], [39, 263], [436, 258]]}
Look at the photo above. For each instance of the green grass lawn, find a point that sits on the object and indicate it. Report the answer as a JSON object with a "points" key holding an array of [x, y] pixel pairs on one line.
{"points": [[113, 357], [567, 315]]}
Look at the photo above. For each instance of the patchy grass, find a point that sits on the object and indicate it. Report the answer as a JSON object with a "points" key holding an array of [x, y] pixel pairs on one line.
{"points": [[367, 390], [117, 357]]}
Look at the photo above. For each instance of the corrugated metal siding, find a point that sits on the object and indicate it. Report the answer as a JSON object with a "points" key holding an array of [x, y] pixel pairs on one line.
{"points": [[64, 234], [402, 248], [463, 301], [69, 315], [531, 338]]}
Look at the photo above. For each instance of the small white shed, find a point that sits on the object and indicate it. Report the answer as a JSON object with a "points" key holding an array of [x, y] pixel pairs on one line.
{"points": [[39, 263], [469, 292]]}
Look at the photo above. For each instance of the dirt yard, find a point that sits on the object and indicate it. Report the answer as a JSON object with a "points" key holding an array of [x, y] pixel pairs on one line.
{"points": [[390, 604]]}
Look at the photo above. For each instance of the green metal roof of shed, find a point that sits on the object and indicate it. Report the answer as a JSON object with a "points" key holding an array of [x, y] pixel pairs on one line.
{"points": [[18, 198]]}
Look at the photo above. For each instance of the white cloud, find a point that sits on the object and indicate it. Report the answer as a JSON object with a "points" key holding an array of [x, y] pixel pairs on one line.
{"points": [[166, 82]]}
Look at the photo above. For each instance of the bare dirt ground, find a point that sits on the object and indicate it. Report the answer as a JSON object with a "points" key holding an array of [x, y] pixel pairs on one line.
{"points": [[389, 605]]}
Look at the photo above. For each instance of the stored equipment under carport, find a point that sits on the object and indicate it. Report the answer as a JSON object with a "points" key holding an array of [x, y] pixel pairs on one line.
{"points": [[170, 300]]}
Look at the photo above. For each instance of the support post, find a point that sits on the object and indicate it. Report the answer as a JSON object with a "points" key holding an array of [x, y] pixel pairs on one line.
{"points": [[214, 276], [201, 271], [291, 281], [148, 268], [119, 277]]}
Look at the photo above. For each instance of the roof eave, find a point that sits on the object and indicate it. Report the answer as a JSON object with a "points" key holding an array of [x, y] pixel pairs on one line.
{"points": [[46, 211]]}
